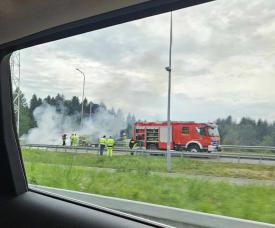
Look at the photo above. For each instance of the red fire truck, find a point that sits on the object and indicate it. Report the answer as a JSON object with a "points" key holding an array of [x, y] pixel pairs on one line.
{"points": [[190, 136]]}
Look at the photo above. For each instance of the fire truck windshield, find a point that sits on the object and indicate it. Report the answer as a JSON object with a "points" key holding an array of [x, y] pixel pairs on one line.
{"points": [[201, 130], [213, 131]]}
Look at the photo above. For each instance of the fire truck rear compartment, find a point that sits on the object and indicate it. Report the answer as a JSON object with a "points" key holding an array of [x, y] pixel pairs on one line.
{"points": [[152, 138]]}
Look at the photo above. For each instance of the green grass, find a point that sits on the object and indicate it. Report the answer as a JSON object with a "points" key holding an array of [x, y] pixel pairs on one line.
{"points": [[153, 163], [244, 201], [77, 172]]}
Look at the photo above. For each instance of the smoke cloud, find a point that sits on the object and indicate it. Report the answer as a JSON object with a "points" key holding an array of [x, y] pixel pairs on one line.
{"points": [[51, 125]]}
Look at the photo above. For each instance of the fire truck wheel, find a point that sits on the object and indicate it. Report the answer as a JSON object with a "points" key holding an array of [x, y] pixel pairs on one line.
{"points": [[194, 148]]}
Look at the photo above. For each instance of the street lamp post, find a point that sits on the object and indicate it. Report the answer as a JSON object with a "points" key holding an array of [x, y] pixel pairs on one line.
{"points": [[169, 69], [83, 88]]}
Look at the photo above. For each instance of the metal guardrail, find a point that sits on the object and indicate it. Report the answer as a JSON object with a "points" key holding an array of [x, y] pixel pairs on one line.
{"points": [[240, 147], [213, 155], [121, 145], [163, 214]]}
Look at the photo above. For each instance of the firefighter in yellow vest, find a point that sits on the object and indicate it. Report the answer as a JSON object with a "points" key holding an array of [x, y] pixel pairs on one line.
{"points": [[110, 142], [72, 139], [75, 139], [102, 143]]}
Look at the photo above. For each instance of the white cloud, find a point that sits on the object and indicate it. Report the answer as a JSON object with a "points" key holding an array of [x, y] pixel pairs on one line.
{"points": [[223, 63]]}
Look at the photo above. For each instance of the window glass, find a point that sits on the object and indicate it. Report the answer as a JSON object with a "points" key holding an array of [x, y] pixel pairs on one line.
{"points": [[91, 111], [185, 130], [213, 131], [201, 130]]}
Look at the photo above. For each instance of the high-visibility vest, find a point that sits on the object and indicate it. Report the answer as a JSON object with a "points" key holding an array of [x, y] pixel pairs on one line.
{"points": [[74, 139], [110, 142], [102, 141]]}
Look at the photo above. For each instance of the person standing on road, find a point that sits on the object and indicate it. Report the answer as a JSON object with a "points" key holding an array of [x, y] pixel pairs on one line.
{"points": [[64, 137], [132, 145], [110, 142], [102, 143], [75, 139], [72, 139]]}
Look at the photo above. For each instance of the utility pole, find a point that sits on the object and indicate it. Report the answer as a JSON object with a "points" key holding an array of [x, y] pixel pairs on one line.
{"points": [[83, 88], [169, 69], [15, 76]]}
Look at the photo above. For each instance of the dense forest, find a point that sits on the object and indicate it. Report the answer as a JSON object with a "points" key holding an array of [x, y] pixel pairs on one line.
{"points": [[244, 132], [68, 107]]}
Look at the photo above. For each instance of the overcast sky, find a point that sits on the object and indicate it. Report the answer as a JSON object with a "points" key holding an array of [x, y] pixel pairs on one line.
{"points": [[223, 63]]}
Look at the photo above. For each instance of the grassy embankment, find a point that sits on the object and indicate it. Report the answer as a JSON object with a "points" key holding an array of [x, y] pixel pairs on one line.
{"points": [[132, 179]]}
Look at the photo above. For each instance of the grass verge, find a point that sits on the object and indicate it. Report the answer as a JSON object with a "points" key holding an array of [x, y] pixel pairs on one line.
{"points": [[242, 201], [153, 163]]}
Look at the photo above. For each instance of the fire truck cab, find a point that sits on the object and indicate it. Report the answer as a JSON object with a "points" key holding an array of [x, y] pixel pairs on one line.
{"points": [[190, 136]]}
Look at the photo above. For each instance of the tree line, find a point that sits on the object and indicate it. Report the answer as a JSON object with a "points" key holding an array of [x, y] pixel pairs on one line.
{"points": [[68, 107], [246, 132]]}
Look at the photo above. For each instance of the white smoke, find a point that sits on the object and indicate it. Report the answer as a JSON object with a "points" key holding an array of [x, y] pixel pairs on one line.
{"points": [[51, 125]]}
